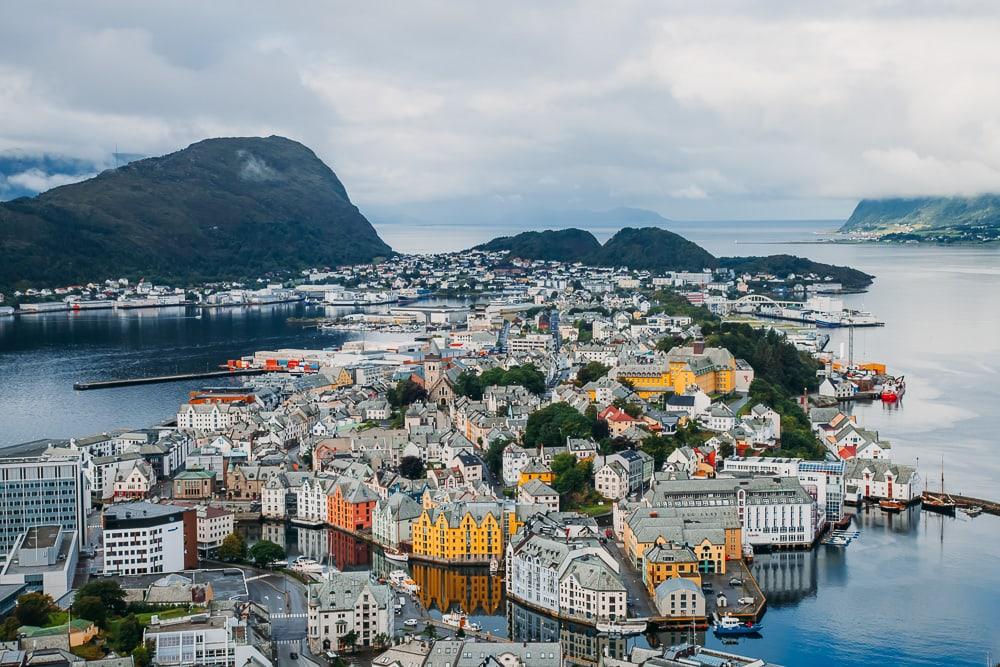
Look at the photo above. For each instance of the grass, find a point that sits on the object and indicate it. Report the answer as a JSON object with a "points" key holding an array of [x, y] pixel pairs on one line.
{"points": [[594, 510]]}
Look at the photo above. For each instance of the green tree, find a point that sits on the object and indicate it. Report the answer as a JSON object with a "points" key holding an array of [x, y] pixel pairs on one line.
{"points": [[91, 608], [8, 629], [594, 370], [129, 634], [467, 384], [406, 392], [550, 426], [266, 552], [411, 467], [34, 609], [109, 591], [142, 656], [233, 548], [494, 456], [350, 639]]}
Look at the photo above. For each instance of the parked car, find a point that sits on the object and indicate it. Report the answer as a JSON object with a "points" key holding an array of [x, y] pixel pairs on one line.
{"points": [[735, 581], [410, 622], [746, 600]]}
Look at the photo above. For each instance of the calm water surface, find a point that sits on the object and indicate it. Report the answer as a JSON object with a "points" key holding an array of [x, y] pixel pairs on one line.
{"points": [[915, 589]]}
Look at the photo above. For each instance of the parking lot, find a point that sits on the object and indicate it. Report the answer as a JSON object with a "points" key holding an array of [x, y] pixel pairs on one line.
{"points": [[732, 591]]}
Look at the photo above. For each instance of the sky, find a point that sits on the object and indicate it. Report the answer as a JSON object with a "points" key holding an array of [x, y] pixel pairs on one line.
{"points": [[469, 111]]}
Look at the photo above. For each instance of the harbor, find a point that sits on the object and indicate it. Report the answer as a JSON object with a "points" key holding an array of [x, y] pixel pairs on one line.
{"points": [[159, 379]]}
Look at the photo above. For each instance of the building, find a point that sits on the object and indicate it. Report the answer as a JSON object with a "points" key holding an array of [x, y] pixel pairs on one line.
{"points": [[350, 505], [823, 480], [348, 602], [132, 480], [393, 519], [636, 465], [194, 484], [537, 492], [42, 484], [214, 525], [203, 641], [470, 653], [536, 470], [773, 511], [881, 479], [43, 560], [669, 560], [680, 599], [143, 538], [470, 531], [591, 590]]}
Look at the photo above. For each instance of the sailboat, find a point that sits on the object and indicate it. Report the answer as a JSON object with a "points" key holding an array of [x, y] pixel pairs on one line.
{"points": [[941, 503]]}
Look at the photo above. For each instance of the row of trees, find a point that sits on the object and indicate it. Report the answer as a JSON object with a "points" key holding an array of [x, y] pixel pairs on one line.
{"points": [[473, 386], [262, 554]]}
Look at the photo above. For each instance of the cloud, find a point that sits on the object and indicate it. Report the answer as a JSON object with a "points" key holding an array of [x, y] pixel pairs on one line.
{"points": [[37, 180], [701, 110]]}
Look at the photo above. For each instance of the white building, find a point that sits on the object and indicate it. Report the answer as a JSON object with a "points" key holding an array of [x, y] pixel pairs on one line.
{"points": [[202, 641], [348, 602], [514, 460], [44, 558], [393, 518], [530, 343], [210, 416], [144, 538], [537, 492], [824, 481], [881, 479], [611, 481], [311, 506]]}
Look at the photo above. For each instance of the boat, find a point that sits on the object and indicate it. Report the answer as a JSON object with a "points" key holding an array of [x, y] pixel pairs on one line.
{"points": [[748, 552], [893, 389], [973, 510], [729, 625], [941, 503], [306, 565], [891, 506], [494, 566], [460, 621], [623, 628], [396, 555]]}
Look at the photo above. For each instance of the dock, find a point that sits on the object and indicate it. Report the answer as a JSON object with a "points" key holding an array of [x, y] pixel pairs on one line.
{"points": [[989, 506], [128, 382]]}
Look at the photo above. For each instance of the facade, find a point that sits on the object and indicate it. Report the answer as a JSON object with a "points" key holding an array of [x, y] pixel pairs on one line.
{"points": [[668, 560], [348, 602], [680, 599], [880, 480], [132, 481], [460, 531], [350, 505], [194, 484], [43, 560], [823, 480], [591, 590], [393, 519], [143, 538], [611, 481], [203, 641], [536, 492], [46, 486]]}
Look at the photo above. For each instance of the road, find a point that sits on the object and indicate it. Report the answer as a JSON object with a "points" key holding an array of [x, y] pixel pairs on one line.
{"points": [[640, 605]]}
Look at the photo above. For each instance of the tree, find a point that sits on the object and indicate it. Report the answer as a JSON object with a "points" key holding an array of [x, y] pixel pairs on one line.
{"points": [[141, 656], [494, 457], [266, 552], [411, 467], [233, 548], [109, 591], [129, 634], [550, 426], [91, 608], [405, 392], [8, 629], [467, 384], [350, 639], [595, 370], [34, 609]]}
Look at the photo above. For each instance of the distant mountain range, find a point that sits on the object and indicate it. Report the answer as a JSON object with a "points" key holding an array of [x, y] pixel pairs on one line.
{"points": [[928, 218], [220, 208], [656, 249]]}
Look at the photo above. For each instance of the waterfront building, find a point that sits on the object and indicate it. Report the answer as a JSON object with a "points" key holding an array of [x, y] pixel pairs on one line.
{"points": [[680, 599], [460, 531], [591, 590], [773, 511], [713, 534], [393, 519], [823, 480], [683, 655], [143, 538], [668, 560], [348, 602], [880, 480], [470, 653], [350, 504], [42, 483]]}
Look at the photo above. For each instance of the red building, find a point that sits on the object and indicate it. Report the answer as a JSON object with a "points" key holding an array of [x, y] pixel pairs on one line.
{"points": [[351, 505]]}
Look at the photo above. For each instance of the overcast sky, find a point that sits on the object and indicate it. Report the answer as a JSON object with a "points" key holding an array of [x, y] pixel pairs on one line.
{"points": [[735, 110]]}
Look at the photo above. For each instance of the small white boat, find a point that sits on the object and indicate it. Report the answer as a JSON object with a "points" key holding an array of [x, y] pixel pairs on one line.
{"points": [[622, 628], [459, 620], [398, 556], [494, 565], [973, 510], [306, 565]]}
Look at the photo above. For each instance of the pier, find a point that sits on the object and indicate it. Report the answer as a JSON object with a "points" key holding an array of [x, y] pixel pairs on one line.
{"points": [[989, 506], [128, 382]]}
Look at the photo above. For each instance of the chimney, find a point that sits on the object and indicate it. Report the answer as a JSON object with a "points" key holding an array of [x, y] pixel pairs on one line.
{"points": [[698, 345]]}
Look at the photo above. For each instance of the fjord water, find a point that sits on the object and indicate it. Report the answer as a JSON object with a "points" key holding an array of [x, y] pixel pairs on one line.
{"points": [[915, 589]]}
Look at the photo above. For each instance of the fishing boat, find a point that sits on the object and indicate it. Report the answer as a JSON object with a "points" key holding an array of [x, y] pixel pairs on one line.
{"points": [[730, 626], [396, 555], [891, 506], [893, 389]]}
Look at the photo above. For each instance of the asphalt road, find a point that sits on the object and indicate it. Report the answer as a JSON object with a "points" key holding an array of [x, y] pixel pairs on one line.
{"points": [[285, 601]]}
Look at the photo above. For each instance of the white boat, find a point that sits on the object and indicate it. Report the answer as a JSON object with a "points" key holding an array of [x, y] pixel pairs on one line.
{"points": [[973, 510], [306, 565], [494, 565], [397, 556], [623, 628], [460, 621]]}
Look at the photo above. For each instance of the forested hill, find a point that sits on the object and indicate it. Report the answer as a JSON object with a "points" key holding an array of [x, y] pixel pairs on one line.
{"points": [[657, 249], [220, 208]]}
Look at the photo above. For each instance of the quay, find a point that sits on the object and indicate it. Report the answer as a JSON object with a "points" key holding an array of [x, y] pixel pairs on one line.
{"points": [[989, 507], [128, 382]]}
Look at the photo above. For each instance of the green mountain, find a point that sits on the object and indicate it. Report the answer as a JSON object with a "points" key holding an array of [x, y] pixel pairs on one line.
{"points": [[927, 217], [656, 249], [561, 245], [220, 208]]}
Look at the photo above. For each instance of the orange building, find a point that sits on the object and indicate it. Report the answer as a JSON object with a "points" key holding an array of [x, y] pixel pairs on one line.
{"points": [[351, 505]]}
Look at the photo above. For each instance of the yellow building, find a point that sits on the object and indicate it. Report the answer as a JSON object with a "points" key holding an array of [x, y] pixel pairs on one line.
{"points": [[712, 539], [668, 560], [712, 369], [538, 471], [471, 531]]}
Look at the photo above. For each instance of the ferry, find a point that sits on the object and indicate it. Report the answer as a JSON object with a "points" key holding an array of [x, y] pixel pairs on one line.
{"points": [[401, 579], [460, 621], [729, 625], [748, 552], [398, 556], [891, 506]]}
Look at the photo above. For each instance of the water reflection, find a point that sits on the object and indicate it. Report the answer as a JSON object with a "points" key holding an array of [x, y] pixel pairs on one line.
{"points": [[581, 644], [473, 590]]}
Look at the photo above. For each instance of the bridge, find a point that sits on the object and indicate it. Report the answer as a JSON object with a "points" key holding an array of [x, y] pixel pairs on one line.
{"points": [[758, 300]]}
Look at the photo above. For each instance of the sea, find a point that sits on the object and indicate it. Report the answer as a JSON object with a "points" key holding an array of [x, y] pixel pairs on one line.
{"points": [[915, 589]]}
